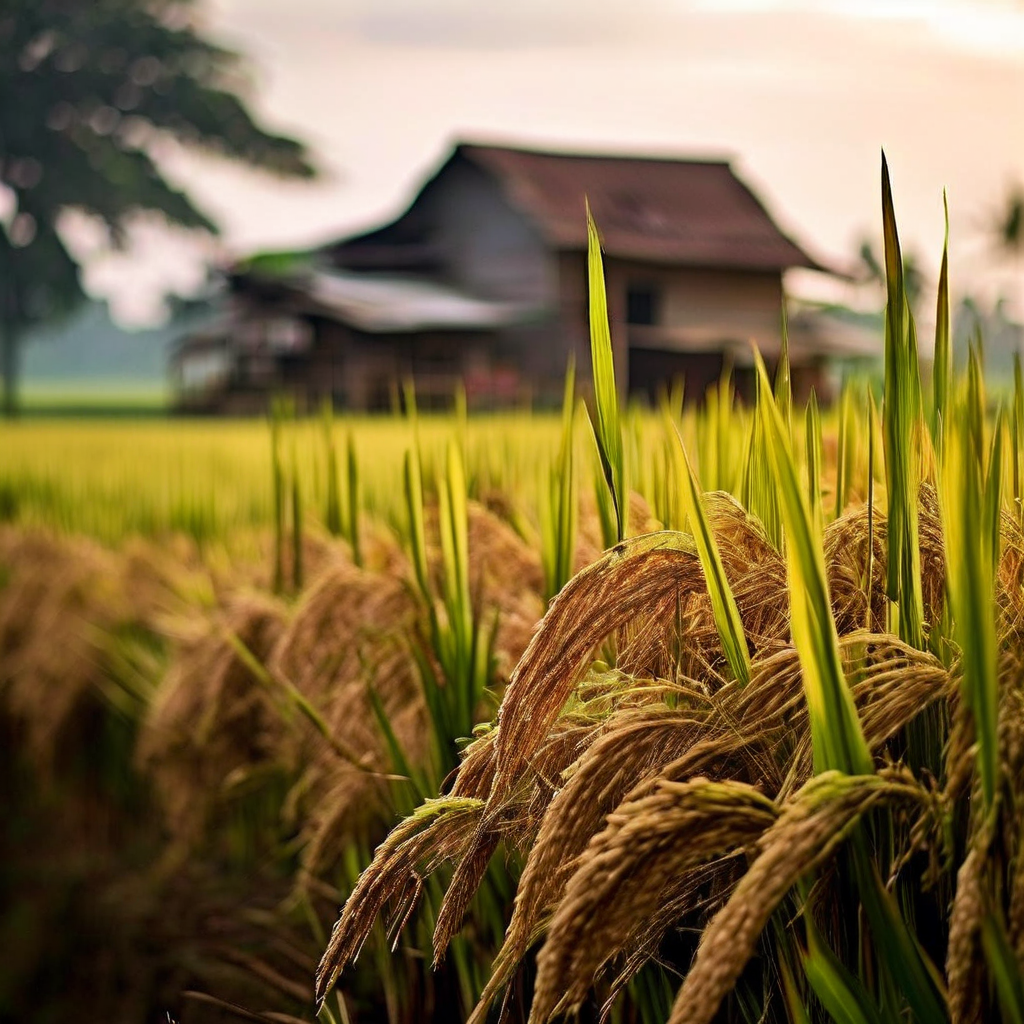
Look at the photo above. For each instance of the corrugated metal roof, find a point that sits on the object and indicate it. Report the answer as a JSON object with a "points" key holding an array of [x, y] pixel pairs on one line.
{"points": [[689, 212], [382, 303]]}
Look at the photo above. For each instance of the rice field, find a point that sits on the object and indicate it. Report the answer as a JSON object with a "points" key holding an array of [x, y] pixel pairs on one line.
{"points": [[210, 478], [709, 714]]}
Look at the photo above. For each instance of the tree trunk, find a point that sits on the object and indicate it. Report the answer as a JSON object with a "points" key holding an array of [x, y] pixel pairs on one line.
{"points": [[9, 369]]}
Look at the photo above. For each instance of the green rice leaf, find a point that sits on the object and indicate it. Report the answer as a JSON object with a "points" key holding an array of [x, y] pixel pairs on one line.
{"points": [[970, 561], [722, 418], [607, 513], [455, 529], [297, 523], [460, 636], [899, 953], [836, 735], [814, 460], [413, 480], [844, 997], [355, 502], [723, 603], [798, 1013], [759, 494], [869, 569], [279, 411], [1017, 427], [901, 435], [395, 749], [567, 486], [844, 449], [994, 489], [942, 367], [783, 377], [332, 509], [974, 415], [608, 429], [559, 499]]}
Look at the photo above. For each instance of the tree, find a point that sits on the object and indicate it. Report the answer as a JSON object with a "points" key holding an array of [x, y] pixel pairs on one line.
{"points": [[1008, 232], [88, 88], [1009, 225]]}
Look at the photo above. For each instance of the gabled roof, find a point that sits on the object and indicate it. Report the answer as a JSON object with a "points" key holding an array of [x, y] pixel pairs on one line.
{"points": [[693, 212]]}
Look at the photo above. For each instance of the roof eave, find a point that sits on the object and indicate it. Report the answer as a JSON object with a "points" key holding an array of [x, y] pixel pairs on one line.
{"points": [[750, 266]]}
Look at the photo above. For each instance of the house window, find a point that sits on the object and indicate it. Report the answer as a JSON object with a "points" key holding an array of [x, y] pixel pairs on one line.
{"points": [[642, 304]]}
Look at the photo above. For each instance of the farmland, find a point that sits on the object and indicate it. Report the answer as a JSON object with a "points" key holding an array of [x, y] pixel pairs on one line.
{"points": [[109, 480], [690, 715]]}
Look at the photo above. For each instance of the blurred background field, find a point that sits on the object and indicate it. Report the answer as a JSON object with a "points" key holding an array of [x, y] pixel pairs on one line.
{"points": [[73, 396], [117, 477]]}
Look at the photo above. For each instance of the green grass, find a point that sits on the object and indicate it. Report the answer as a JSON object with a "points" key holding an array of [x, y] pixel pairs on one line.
{"points": [[110, 397]]}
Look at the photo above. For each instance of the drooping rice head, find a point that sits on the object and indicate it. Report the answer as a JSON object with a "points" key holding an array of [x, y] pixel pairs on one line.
{"points": [[683, 725], [64, 607], [347, 645], [211, 720]]}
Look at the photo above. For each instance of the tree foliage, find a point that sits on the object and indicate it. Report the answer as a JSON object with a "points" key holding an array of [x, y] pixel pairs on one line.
{"points": [[1009, 223], [88, 89]]}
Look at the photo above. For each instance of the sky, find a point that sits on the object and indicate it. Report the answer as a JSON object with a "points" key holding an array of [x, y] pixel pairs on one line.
{"points": [[801, 94]]}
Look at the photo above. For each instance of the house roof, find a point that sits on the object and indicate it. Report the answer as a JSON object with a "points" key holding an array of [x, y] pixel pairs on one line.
{"points": [[694, 212], [673, 211]]}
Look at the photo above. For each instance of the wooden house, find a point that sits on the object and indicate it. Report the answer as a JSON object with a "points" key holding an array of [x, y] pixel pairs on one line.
{"points": [[483, 280]]}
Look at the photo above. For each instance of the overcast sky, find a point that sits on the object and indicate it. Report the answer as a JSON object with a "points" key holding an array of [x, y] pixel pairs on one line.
{"points": [[802, 95]]}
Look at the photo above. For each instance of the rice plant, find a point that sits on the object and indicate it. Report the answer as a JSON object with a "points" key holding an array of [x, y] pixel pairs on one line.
{"points": [[794, 790], [559, 500]]}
